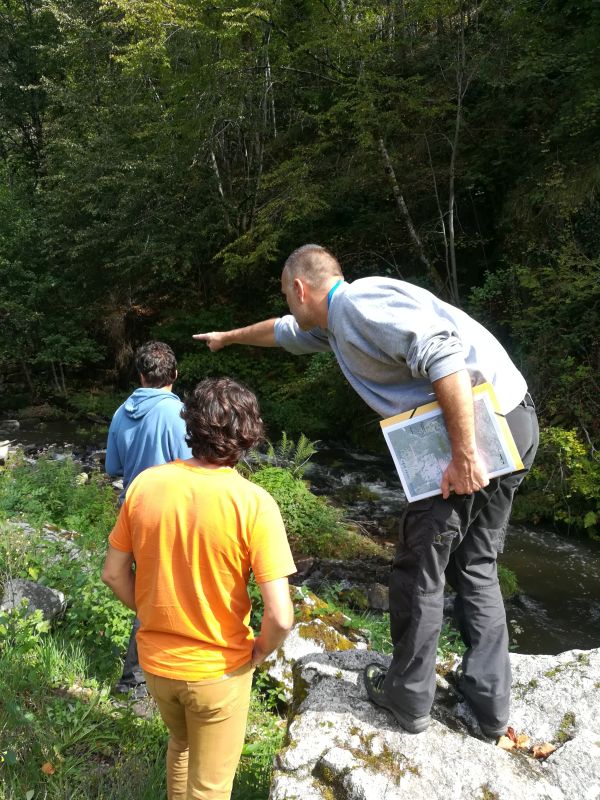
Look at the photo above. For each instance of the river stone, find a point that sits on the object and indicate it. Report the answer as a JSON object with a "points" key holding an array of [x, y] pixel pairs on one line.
{"points": [[341, 746], [316, 631], [49, 601], [379, 597], [9, 425]]}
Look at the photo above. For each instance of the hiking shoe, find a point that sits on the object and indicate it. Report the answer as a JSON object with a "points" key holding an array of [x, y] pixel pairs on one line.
{"points": [[138, 691], [492, 732], [374, 677]]}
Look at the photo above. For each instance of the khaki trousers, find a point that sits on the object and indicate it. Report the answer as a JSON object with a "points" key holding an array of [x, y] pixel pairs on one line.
{"points": [[207, 725]]}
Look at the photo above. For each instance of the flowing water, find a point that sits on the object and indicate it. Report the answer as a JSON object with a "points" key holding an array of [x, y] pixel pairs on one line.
{"points": [[558, 604]]}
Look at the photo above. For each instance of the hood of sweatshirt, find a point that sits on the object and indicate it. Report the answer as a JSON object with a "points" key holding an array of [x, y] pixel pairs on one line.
{"points": [[143, 400]]}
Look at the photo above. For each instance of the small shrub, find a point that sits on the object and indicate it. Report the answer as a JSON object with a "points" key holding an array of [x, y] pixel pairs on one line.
{"points": [[51, 491], [508, 581], [20, 629], [313, 526], [563, 486], [287, 454]]}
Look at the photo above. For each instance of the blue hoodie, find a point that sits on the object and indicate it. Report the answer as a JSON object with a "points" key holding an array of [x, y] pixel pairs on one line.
{"points": [[145, 431]]}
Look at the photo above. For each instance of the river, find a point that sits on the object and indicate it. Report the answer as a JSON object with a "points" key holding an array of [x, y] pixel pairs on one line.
{"points": [[558, 604], [557, 607]]}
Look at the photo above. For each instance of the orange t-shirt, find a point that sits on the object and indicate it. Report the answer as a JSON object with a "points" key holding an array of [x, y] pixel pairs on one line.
{"points": [[195, 534]]}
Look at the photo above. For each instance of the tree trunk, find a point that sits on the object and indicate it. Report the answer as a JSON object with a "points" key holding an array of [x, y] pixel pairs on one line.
{"points": [[27, 373], [63, 383], [400, 202]]}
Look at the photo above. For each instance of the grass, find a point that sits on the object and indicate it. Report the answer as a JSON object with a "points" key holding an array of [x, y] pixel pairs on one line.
{"points": [[377, 626], [55, 706], [61, 735]]}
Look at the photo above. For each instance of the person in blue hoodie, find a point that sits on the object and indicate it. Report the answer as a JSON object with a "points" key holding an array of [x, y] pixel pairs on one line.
{"points": [[146, 430]]}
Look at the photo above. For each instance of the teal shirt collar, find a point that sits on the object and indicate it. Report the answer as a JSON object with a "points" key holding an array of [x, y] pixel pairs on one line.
{"points": [[331, 292]]}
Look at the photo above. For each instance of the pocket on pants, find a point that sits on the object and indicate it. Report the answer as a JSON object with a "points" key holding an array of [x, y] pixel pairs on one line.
{"points": [[435, 562], [428, 534]]}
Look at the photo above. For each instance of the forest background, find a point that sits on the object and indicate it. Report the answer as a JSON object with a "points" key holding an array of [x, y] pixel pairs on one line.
{"points": [[159, 160]]}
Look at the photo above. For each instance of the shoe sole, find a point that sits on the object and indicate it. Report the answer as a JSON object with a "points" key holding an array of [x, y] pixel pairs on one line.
{"points": [[416, 725], [410, 727], [489, 734]]}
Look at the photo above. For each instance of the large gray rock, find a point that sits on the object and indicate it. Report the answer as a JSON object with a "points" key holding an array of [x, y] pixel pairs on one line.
{"points": [[49, 601], [318, 630], [342, 747]]}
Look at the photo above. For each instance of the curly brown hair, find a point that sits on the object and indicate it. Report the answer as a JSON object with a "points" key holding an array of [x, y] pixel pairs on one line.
{"points": [[156, 362], [222, 419]]}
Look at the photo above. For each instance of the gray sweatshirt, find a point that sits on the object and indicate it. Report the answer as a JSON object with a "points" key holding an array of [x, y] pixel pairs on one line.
{"points": [[392, 339]]}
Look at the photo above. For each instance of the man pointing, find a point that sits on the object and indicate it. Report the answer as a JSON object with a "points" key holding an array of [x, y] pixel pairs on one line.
{"points": [[400, 347]]}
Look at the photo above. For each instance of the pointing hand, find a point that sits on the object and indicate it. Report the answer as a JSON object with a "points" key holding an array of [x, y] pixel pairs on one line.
{"points": [[215, 340]]}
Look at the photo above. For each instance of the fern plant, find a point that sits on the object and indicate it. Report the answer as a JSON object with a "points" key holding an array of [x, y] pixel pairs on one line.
{"points": [[287, 454]]}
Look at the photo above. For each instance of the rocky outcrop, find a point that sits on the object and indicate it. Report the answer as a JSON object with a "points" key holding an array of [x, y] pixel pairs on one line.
{"points": [[318, 629], [54, 545], [361, 584], [341, 747], [34, 596]]}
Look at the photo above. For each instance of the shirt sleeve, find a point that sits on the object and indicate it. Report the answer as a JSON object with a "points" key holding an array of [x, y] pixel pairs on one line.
{"points": [[270, 554], [290, 336], [412, 332], [120, 536], [178, 447], [112, 463]]}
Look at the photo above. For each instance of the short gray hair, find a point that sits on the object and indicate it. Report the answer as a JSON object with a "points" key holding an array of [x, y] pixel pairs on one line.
{"points": [[313, 263]]}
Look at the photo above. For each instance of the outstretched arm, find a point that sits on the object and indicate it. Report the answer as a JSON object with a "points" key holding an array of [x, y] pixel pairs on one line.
{"points": [[466, 473], [261, 334]]}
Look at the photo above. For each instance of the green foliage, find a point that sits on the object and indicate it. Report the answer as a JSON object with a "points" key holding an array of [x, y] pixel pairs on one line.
{"points": [[564, 484], [51, 491], [265, 734], [52, 712], [286, 453], [291, 404], [159, 161], [101, 403], [450, 643], [313, 526], [20, 629], [55, 491], [293, 456], [94, 617], [549, 304], [508, 581]]}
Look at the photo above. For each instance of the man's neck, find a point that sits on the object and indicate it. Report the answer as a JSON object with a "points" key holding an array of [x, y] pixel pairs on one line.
{"points": [[322, 311], [145, 385]]}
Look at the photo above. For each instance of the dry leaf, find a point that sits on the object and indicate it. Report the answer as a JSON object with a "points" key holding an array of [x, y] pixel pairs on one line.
{"points": [[48, 769], [511, 734], [523, 741], [542, 750], [505, 743]]}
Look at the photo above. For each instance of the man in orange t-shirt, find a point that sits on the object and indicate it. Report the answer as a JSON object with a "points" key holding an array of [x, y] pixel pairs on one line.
{"points": [[195, 530]]}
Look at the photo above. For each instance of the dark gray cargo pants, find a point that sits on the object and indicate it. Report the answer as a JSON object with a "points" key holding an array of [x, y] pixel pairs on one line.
{"points": [[457, 540]]}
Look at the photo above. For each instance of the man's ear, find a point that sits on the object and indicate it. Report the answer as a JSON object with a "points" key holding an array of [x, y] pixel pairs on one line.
{"points": [[299, 289]]}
